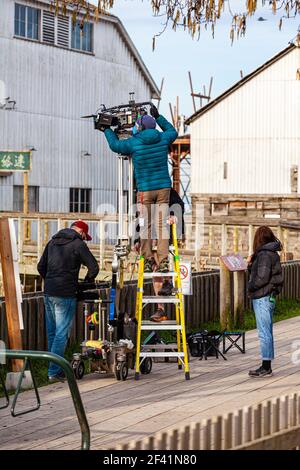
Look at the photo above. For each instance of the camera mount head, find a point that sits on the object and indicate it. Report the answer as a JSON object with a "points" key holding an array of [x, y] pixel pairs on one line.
{"points": [[122, 117]]}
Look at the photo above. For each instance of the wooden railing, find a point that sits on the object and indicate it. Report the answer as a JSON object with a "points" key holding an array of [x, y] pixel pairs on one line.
{"points": [[270, 425], [205, 239]]}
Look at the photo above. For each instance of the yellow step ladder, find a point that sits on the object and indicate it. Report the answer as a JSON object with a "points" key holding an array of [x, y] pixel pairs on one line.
{"points": [[178, 350]]}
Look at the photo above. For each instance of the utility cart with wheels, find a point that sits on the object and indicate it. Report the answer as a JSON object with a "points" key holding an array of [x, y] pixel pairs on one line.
{"points": [[106, 355]]}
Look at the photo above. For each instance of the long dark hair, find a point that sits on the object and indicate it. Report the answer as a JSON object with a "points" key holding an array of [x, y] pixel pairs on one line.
{"points": [[263, 235]]}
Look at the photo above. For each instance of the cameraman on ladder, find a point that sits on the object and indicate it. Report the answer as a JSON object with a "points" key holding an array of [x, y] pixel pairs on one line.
{"points": [[149, 151]]}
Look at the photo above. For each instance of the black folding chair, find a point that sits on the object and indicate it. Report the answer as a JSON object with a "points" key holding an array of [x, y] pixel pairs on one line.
{"points": [[210, 342], [233, 337]]}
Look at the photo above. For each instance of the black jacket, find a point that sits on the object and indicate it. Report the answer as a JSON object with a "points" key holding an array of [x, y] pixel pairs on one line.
{"points": [[61, 262], [266, 276]]}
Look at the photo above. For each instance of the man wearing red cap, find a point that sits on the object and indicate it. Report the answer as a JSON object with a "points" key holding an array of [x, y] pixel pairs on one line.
{"points": [[59, 266]]}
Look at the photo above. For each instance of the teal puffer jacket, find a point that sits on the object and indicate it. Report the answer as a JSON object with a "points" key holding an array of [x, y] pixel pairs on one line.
{"points": [[149, 152]]}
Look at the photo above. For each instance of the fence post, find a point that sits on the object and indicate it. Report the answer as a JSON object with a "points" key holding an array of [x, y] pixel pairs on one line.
{"points": [[228, 428], [225, 306], [20, 239], [197, 246], [250, 239], [39, 239], [210, 238], [206, 434]]}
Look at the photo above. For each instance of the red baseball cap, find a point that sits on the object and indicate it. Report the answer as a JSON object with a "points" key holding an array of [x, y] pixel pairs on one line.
{"points": [[84, 227]]}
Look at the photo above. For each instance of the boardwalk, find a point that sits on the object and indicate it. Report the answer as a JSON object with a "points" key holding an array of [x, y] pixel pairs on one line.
{"points": [[121, 411]]}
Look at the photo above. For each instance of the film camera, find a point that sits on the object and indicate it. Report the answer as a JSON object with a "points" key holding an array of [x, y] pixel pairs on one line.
{"points": [[122, 117]]}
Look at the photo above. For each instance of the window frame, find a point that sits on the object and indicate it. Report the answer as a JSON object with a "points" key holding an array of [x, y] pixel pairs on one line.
{"points": [[39, 15], [81, 37], [18, 190], [80, 200]]}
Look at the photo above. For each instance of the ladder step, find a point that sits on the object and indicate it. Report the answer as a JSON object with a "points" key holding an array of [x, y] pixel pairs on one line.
{"points": [[163, 325], [159, 346], [156, 274], [162, 354], [160, 300]]}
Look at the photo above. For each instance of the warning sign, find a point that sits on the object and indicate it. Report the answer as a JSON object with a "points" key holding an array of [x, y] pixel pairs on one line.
{"points": [[186, 278]]}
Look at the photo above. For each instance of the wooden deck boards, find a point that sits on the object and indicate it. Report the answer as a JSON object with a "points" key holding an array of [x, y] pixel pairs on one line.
{"points": [[121, 411]]}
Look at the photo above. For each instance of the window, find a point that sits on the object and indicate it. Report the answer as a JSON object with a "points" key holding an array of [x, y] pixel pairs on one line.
{"points": [[294, 178], [82, 38], [219, 208], [48, 27], [225, 170], [80, 200], [33, 199], [56, 29], [27, 21]]}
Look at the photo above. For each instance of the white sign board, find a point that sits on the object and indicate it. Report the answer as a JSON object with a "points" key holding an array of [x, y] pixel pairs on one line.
{"points": [[16, 271], [186, 277]]}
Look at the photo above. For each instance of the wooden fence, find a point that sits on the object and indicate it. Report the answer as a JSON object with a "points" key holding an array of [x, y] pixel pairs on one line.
{"points": [[201, 307], [270, 425]]}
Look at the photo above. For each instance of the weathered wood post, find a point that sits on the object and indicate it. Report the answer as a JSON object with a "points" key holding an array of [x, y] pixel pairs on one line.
{"points": [[285, 243], [46, 232], [10, 292], [197, 245], [13, 300], [225, 310], [210, 241]]}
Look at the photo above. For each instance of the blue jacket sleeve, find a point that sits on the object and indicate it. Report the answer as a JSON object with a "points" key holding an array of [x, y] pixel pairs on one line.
{"points": [[169, 131], [119, 146]]}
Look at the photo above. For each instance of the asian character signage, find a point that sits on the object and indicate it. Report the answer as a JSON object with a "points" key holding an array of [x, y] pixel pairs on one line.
{"points": [[15, 161]]}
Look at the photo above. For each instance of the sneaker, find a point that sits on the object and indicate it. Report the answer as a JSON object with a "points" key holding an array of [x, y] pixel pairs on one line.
{"points": [[149, 265], [167, 288], [163, 266], [260, 372], [59, 377], [159, 316]]}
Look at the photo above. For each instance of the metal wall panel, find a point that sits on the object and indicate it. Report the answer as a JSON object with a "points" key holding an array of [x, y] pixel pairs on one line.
{"points": [[53, 88], [256, 130]]}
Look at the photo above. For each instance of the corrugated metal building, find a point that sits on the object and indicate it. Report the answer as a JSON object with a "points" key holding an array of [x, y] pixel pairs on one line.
{"points": [[245, 144], [56, 74]]}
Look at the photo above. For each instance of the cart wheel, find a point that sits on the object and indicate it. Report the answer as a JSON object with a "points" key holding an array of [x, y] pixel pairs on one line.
{"points": [[124, 370], [146, 366], [78, 367], [117, 371]]}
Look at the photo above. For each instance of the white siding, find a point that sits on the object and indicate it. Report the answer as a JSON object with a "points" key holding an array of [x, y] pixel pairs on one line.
{"points": [[53, 87], [256, 130]]}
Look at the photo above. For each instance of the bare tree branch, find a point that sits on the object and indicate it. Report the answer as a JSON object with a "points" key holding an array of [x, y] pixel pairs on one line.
{"points": [[187, 14]]}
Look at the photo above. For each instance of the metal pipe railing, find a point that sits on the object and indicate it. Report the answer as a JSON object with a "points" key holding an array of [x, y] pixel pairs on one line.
{"points": [[80, 412]]}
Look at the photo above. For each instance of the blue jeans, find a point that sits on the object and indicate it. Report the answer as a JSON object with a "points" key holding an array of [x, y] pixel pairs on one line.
{"points": [[60, 312], [264, 310]]}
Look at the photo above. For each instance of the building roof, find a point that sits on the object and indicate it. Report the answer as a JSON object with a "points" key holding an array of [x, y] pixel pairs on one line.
{"points": [[129, 43], [239, 84]]}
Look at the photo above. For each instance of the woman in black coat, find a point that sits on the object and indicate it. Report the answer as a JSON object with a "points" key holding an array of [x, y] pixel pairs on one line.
{"points": [[265, 283]]}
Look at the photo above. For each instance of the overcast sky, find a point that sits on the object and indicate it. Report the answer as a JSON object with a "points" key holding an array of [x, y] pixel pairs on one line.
{"points": [[177, 53]]}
